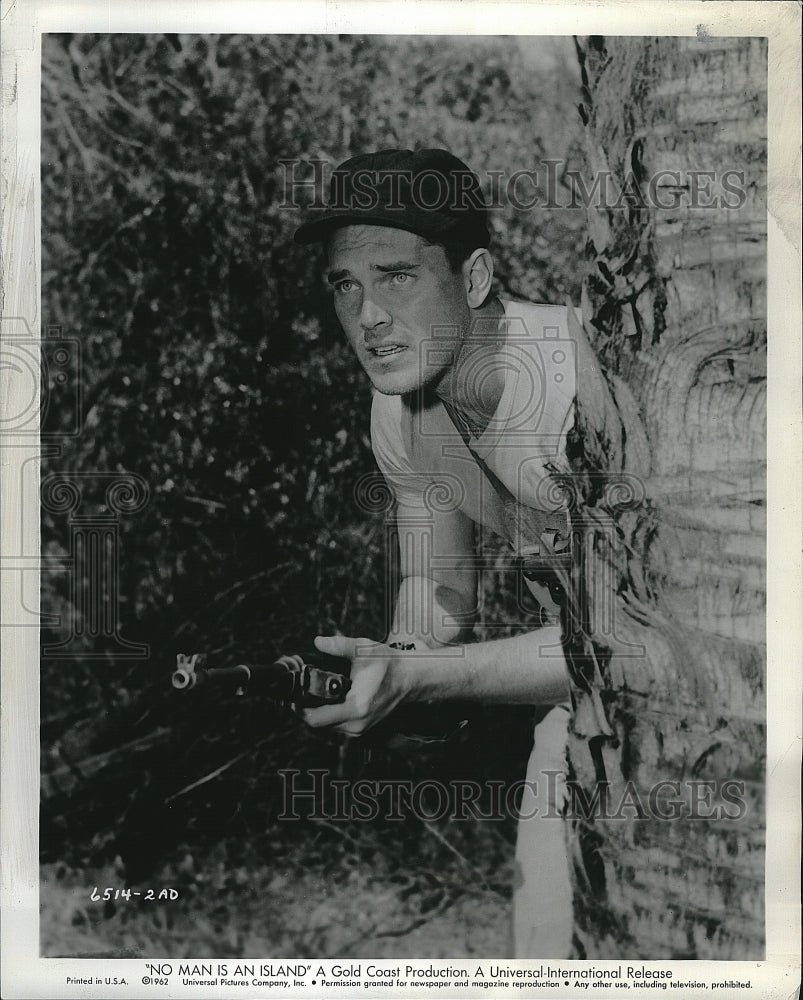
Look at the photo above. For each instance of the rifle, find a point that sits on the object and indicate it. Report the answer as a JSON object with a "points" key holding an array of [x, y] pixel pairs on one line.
{"points": [[320, 679], [290, 680]]}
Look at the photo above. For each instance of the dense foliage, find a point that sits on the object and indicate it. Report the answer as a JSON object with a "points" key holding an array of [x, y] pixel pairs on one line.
{"points": [[212, 367]]}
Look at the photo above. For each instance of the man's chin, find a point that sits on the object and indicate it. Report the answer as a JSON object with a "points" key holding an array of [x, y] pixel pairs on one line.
{"points": [[399, 383]]}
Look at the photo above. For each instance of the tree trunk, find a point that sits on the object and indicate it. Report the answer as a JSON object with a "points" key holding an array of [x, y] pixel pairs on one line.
{"points": [[672, 508]]}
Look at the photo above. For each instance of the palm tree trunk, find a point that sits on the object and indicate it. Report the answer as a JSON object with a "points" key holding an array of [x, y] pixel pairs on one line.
{"points": [[672, 506]]}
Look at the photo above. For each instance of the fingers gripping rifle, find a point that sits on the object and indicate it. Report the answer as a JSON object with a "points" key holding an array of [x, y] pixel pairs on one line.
{"points": [[290, 680]]}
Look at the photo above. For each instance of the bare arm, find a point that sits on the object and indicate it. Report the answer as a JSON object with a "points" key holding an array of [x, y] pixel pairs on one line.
{"points": [[437, 605], [437, 600], [527, 669]]}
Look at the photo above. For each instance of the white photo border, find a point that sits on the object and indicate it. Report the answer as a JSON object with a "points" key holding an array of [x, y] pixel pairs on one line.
{"points": [[24, 973]]}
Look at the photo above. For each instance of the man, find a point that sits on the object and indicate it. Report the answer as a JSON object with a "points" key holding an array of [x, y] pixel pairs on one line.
{"points": [[472, 406]]}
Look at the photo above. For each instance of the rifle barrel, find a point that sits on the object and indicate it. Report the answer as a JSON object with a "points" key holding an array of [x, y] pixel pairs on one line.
{"points": [[288, 679]]}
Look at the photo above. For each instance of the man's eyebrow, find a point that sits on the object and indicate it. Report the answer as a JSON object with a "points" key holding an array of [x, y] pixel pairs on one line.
{"points": [[400, 265]]}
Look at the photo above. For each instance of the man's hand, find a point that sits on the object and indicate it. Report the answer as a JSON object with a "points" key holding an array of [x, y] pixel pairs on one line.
{"points": [[377, 685]]}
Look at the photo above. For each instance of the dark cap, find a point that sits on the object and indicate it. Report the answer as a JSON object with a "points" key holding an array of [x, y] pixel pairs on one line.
{"points": [[429, 192]]}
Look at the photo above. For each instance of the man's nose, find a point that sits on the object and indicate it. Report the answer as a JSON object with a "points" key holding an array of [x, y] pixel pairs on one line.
{"points": [[372, 316]]}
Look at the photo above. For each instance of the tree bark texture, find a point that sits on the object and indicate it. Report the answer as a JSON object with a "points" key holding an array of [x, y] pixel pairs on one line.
{"points": [[670, 468]]}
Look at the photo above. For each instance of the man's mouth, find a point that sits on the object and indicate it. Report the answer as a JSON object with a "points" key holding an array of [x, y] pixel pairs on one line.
{"points": [[386, 351]]}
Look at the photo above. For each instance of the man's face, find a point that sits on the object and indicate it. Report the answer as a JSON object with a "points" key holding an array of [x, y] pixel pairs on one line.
{"points": [[393, 295]]}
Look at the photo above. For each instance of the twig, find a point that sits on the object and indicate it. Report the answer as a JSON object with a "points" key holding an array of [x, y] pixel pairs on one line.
{"points": [[208, 777], [338, 830], [92, 258], [250, 579], [420, 921]]}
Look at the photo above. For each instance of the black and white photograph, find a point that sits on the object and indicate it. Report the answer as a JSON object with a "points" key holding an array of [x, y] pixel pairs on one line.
{"points": [[395, 456]]}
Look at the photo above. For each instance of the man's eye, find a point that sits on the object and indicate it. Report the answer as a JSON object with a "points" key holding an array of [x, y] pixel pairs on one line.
{"points": [[345, 286], [400, 278]]}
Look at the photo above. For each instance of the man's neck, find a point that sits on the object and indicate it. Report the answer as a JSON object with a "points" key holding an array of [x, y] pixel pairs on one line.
{"points": [[474, 384]]}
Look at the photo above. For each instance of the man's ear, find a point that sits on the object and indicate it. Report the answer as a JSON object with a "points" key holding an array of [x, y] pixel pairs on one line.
{"points": [[478, 273]]}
